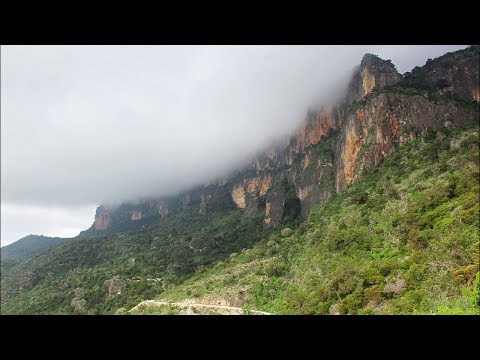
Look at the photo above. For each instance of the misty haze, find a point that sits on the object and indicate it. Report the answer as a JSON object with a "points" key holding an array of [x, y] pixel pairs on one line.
{"points": [[87, 125]]}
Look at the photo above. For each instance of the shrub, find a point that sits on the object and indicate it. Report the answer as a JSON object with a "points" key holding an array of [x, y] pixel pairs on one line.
{"points": [[287, 232], [352, 303]]}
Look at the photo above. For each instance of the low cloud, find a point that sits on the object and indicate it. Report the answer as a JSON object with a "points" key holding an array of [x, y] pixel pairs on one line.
{"points": [[85, 125]]}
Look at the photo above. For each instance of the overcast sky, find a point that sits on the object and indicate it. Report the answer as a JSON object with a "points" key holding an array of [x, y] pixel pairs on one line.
{"points": [[84, 125]]}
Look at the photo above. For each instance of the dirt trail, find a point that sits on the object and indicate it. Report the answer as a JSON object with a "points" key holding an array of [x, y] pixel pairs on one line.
{"points": [[230, 309]]}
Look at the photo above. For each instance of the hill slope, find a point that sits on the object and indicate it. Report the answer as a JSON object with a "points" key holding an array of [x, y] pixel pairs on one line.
{"points": [[403, 240], [29, 245]]}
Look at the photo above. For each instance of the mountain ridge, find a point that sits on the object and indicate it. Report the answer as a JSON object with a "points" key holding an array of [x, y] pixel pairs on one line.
{"points": [[29, 245]]}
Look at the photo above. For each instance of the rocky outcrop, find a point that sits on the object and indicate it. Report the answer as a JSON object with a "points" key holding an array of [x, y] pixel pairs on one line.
{"points": [[136, 215], [102, 218], [115, 285], [248, 194], [396, 287], [238, 196], [274, 208], [26, 282], [372, 74], [252, 194], [118, 217], [317, 125], [265, 184], [374, 130], [162, 209], [203, 204]]}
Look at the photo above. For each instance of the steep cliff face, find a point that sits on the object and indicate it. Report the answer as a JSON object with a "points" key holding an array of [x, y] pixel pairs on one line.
{"points": [[107, 218], [274, 208], [372, 74], [300, 164], [162, 209], [316, 125], [375, 129], [334, 145], [102, 218]]}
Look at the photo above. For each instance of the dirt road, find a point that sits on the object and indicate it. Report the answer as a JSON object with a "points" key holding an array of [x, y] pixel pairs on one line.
{"points": [[229, 310]]}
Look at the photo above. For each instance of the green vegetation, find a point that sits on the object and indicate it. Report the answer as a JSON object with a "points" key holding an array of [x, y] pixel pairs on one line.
{"points": [[75, 277]]}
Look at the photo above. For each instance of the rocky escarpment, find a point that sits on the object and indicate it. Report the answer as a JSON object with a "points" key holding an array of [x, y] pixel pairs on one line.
{"points": [[334, 144], [127, 215], [374, 129], [102, 218]]}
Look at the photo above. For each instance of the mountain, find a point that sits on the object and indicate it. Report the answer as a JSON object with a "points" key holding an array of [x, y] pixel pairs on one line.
{"points": [[29, 245], [370, 207]]}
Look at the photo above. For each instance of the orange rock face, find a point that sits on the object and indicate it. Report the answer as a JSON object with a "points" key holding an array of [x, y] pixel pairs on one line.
{"points": [[265, 184], [102, 219], [252, 185], [268, 207], [136, 215], [352, 149], [315, 127], [238, 196], [350, 152]]}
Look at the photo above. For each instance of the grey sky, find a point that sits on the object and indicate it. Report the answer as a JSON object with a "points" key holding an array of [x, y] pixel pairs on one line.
{"points": [[82, 125]]}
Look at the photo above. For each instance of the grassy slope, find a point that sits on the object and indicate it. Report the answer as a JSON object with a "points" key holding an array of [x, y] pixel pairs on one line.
{"points": [[414, 221]]}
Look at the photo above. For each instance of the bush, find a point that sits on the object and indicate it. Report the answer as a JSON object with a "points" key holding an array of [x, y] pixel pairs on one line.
{"points": [[352, 303], [287, 232]]}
